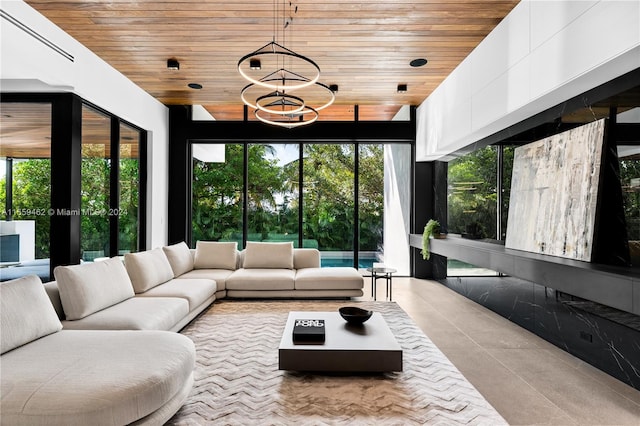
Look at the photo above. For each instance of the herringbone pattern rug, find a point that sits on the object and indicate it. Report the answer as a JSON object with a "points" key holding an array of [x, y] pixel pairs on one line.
{"points": [[238, 382]]}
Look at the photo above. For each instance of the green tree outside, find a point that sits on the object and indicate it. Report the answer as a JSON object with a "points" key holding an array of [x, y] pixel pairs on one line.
{"points": [[31, 194], [472, 194], [273, 196]]}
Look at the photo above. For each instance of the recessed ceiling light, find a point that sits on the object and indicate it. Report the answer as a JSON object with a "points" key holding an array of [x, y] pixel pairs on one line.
{"points": [[418, 62], [173, 64], [196, 86], [402, 88]]}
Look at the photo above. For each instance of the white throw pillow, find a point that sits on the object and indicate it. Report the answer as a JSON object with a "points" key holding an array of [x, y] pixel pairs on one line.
{"points": [[179, 257], [91, 287], [148, 269], [26, 313], [216, 255], [268, 255]]}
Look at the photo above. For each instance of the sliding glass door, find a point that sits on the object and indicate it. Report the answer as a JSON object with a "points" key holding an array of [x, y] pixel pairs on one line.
{"points": [[25, 189]]}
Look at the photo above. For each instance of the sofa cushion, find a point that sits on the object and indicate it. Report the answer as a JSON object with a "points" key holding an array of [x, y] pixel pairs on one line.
{"points": [[90, 287], [261, 279], [306, 258], [268, 255], [148, 269], [136, 313], [95, 377], [196, 292], [328, 279], [179, 257], [216, 255], [218, 275], [26, 313]]}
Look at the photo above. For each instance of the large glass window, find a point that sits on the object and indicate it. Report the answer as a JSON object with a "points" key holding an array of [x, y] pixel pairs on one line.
{"points": [[273, 193], [473, 202], [472, 194], [128, 189], [96, 170], [26, 183], [630, 179], [25, 189], [328, 207], [371, 204], [217, 193], [327, 210]]}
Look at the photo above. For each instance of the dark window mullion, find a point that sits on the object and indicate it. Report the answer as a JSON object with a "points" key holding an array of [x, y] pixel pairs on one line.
{"points": [[300, 194], [114, 186], [245, 196], [142, 192], [356, 194]]}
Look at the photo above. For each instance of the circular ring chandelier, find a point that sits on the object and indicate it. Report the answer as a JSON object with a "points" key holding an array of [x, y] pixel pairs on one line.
{"points": [[289, 120], [281, 54], [281, 103], [279, 106], [245, 95]]}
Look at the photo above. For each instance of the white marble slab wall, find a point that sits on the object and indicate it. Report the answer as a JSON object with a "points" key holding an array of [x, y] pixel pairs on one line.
{"points": [[554, 193]]}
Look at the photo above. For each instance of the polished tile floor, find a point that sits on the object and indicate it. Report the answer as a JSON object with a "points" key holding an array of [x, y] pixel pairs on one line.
{"points": [[528, 380]]}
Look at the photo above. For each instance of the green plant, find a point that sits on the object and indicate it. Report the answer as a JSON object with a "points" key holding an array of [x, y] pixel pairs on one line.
{"points": [[431, 228]]}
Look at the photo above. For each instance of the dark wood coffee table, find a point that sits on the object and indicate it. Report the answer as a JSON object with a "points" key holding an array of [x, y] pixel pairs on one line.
{"points": [[370, 347]]}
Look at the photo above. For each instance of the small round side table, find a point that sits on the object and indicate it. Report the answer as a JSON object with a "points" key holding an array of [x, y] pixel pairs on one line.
{"points": [[385, 273]]}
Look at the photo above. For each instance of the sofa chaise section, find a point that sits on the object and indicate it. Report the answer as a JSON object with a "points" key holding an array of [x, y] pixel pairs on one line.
{"points": [[140, 294], [70, 377], [136, 313], [340, 278]]}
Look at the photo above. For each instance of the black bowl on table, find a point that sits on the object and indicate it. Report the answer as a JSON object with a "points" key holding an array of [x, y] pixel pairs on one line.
{"points": [[354, 315]]}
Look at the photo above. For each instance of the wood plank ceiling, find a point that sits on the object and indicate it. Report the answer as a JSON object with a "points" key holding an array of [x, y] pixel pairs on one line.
{"points": [[362, 46]]}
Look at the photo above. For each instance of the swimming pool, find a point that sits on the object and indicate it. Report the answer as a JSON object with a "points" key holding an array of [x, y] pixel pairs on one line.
{"points": [[338, 259]]}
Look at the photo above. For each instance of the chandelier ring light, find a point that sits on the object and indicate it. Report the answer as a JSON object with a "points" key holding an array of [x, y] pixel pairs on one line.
{"points": [[282, 101], [279, 107], [285, 53], [289, 123], [332, 97]]}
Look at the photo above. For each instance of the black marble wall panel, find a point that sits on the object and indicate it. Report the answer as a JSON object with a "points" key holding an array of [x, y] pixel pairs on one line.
{"points": [[430, 202], [512, 300], [604, 337]]}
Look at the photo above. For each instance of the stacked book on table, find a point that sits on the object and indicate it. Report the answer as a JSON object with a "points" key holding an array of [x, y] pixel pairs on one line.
{"points": [[308, 332]]}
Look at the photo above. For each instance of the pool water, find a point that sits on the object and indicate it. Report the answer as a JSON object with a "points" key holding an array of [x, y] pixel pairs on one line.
{"points": [[363, 263]]}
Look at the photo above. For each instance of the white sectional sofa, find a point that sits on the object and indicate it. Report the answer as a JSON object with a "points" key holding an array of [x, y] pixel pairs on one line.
{"points": [[54, 376], [165, 288], [98, 350]]}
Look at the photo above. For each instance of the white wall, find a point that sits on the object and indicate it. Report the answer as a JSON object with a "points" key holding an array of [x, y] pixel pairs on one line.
{"points": [[541, 54], [27, 64]]}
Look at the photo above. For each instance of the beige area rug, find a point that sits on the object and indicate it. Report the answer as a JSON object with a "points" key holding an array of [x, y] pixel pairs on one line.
{"points": [[237, 381]]}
